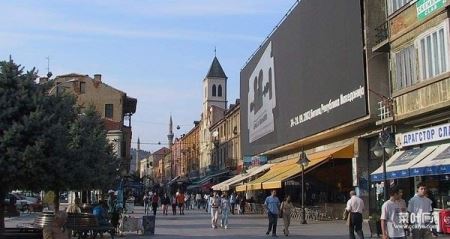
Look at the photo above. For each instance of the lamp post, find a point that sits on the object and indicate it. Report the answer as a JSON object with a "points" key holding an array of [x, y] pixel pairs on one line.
{"points": [[303, 161], [385, 145]]}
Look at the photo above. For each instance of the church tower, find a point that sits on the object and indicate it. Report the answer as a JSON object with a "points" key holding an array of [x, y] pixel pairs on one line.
{"points": [[215, 87]]}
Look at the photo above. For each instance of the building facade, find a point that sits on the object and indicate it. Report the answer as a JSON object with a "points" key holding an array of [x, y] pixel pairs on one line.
{"points": [[226, 153], [415, 37], [294, 101], [114, 106]]}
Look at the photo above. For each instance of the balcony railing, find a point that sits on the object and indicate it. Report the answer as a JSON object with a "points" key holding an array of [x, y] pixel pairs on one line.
{"points": [[381, 38]]}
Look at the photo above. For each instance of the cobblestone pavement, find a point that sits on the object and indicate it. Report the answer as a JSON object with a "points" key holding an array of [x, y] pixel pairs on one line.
{"points": [[196, 224]]}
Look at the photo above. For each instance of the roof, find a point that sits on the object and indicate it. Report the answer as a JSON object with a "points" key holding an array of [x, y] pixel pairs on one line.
{"points": [[216, 71], [161, 151], [71, 75]]}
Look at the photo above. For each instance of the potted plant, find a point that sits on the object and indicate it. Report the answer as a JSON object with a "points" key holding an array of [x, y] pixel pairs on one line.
{"points": [[375, 224]]}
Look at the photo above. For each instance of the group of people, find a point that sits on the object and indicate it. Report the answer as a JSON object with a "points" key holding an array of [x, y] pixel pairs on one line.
{"points": [[276, 209], [397, 218], [178, 200]]}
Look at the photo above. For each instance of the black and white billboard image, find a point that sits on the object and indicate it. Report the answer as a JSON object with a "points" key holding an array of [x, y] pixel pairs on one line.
{"points": [[306, 78]]}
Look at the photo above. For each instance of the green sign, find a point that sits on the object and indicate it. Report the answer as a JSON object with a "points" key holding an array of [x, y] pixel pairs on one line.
{"points": [[426, 7]]}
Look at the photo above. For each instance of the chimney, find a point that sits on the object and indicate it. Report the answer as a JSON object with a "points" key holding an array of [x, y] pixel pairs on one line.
{"points": [[98, 77], [43, 80]]}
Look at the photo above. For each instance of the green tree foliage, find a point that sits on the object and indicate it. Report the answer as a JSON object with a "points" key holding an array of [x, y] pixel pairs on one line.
{"points": [[96, 165], [21, 134], [44, 143]]}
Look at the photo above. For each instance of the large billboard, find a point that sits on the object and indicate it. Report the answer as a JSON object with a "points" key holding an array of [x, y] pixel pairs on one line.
{"points": [[306, 78]]}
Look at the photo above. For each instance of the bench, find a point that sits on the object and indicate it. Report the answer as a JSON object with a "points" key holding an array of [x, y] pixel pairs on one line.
{"points": [[86, 223], [25, 233]]}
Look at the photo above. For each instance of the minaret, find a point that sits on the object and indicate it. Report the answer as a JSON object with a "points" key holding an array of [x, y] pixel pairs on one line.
{"points": [[170, 135], [137, 156]]}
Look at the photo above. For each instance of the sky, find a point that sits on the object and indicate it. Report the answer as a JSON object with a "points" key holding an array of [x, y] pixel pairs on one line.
{"points": [[158, 51]]}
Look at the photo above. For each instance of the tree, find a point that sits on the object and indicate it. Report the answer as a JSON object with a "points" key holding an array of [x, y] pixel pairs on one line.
{"points": [[96, 165], [21, 114]]}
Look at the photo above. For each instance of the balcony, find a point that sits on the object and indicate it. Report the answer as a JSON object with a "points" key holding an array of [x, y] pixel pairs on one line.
{"points": [[382, 38]]}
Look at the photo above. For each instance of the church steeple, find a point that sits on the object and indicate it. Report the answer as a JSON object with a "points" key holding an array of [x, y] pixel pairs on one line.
{"points": [[170, 135], [214, 87], [216, 71]]}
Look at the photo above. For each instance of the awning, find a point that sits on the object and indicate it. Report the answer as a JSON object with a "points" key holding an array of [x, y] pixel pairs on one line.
{"points": [[316, 159], [203, 181], [399, 164], [436, 163], [226, 185], [285, 170], [173, 180]]}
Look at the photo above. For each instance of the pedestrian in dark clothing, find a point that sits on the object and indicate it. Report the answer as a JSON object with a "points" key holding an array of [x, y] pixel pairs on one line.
{"points": [[155, 200], [242, 205]]}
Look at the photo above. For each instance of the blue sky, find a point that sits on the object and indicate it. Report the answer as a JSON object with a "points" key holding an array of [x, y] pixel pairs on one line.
{"points": [[157, 51]]}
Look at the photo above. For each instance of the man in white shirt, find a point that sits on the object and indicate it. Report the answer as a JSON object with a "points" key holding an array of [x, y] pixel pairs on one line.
{"points": [[420, 210], [355, 207], [390, 216]]}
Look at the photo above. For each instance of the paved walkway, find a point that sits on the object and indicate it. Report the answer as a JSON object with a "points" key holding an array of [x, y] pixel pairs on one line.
{"points": [[196, 224]]}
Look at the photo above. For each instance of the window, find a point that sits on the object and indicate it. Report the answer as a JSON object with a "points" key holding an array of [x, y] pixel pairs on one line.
{"points": [[82, 87], [109, 111], [214, 90], [219, 91], [394, 5], [432, 49], [405, 68]]}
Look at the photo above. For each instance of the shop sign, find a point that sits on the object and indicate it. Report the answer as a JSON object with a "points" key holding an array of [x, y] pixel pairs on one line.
{"points": [[426, 7], [423, 136], [255, 160]]}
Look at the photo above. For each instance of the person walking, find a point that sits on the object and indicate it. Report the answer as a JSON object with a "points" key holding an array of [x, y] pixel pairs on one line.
{"points": [[174, 205], [155, 200], [225, 208], [242, 204], [146, 200], [215, 204], [390, 216], [165, 201], [272, 205], [232, 202], [419, 207], [198, 199], [355, 207], [180, 202], [207, 198], [286, 209]]}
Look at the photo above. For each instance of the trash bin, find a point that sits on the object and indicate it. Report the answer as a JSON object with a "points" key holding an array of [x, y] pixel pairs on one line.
{"points": [[444, 220], [148, 223]]}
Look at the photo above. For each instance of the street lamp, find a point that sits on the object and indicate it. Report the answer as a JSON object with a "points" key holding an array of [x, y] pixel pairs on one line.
{"points": [[303, 161], [384, 145]]}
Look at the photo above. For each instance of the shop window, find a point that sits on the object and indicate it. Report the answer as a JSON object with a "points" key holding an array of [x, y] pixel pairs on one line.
{"points": [[432, 49], [405, 68], [394, 5], [109, 111]]}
